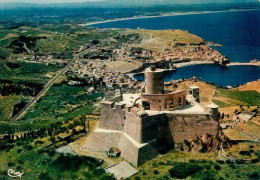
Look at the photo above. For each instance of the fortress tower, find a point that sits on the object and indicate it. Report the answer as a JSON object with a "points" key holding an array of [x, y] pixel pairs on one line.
{"points": [[155, 97], [154, 81]]}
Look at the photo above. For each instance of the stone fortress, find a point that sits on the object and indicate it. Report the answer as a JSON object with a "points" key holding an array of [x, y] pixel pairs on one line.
{"points": [[143, 125]]}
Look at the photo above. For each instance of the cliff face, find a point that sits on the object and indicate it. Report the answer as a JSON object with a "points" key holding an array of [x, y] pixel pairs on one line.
{"points": [[205, 143]]}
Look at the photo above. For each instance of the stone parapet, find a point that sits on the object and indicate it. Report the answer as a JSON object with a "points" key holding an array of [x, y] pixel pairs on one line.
{"points": [[163, 102], [112, 116]]}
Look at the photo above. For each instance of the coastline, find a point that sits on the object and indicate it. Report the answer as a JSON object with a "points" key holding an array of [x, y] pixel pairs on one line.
{"points": [[183, 64], [166, 15], [243, 64], [190, 63]]}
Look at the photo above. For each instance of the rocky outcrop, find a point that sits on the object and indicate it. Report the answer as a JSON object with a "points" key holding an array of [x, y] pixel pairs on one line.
{"points": [[206, 143], [255, 61]]}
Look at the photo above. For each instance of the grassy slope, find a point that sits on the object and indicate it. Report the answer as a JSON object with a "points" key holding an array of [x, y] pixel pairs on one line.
{"points": [[61, 39], [36, 164], [27, 72], [208, 161], [243, 97], [160, 39], [61, 103]]}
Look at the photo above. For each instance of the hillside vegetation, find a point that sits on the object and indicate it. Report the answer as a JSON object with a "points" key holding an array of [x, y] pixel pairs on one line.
{"points": [[157, 40]]}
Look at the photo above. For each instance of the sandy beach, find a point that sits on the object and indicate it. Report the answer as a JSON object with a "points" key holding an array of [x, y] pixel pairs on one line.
{"points": [[178, 65], [163, 15], [243, 64]]}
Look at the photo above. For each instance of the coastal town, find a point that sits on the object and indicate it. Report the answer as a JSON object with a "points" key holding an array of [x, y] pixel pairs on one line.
{"points": [[97, 64]]}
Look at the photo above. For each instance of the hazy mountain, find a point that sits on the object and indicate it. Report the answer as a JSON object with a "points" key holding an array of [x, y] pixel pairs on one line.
{"points": [[110, 3]]}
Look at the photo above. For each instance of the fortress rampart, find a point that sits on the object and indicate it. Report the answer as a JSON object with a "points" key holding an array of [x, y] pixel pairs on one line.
{"points": [[112, 116], [137, 123], [188, 126]]}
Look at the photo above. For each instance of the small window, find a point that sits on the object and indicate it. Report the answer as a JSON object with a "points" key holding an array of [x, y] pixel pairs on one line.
{"points": [[146, 105], [171, 105], [179, 101]]}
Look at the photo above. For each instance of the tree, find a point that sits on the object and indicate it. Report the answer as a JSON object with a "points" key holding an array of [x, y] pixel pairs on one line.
{"points": [[52, 139], [222, 116]]}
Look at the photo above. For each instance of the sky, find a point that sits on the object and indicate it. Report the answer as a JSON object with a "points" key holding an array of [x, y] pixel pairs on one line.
{"points": [[126, 1], [49, 1]]}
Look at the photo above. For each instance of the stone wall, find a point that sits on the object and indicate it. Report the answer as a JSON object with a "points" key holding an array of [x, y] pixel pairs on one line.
{"points": [[187, 127], [132, 124], [99, 142], [147, 153], [112, 116], [129, 151], [141, 127], [150, 126]]}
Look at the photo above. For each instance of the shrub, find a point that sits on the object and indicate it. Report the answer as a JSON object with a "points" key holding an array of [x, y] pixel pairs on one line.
{"points": [[220, 178], [254, 175], [38, 142], [19, 150], [243, 153], [257, 154], [137, 178], [73, 162], [229, 162], [254, 160], [183, 170], [52, 139], [208, 175], [41, 151], [166, 177], [20, 143], [156, 171], [28, 147], [161, 163], [220, 161], [10, 164], [232, 166], [44, 176], [20, 161], [239, 161], [217, 167], [51, 153], [207, 166]]}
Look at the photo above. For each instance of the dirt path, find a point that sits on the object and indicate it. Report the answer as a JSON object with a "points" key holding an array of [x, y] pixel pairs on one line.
{"points": [[213, 94]]}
